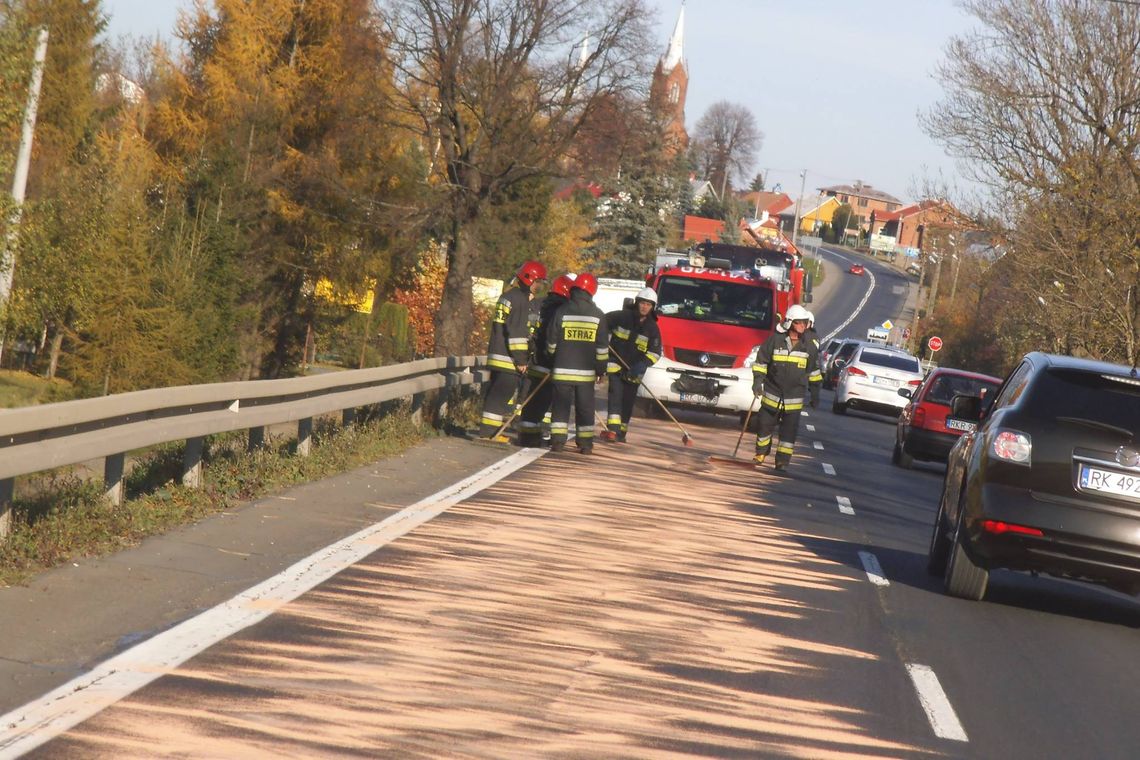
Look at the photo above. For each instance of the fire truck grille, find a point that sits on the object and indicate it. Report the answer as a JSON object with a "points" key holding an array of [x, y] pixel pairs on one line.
{"points": [[704, 358]]}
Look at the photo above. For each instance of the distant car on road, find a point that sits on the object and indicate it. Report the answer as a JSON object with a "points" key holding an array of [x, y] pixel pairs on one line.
{"points": [[856, 269], [872, 379], [924, 430], [1049, 482]]}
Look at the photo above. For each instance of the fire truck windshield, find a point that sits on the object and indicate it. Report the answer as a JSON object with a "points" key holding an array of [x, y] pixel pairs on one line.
{"points": [[726, 303]]}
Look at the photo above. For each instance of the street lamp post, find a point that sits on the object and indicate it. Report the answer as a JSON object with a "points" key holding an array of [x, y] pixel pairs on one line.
{"points": [[799, 200]]}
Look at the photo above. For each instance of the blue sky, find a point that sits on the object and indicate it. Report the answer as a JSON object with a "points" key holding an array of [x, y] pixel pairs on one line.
{"points": [[835, 85]]}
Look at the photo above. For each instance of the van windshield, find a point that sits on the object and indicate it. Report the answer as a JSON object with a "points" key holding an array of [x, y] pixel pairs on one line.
{"points": [[726, 303]]}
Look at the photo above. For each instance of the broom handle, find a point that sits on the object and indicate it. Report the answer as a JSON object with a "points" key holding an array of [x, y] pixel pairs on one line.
{"points": [[652, 395], [743, 428], [521, 406]]}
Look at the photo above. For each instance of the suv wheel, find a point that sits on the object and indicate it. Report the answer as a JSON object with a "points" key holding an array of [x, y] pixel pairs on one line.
{"points": [[838, 408], [939, 551], [900, 457], [963, 578]]}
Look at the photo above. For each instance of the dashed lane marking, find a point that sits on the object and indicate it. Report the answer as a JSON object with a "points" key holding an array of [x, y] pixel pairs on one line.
{"points": [[937, 705], [845, 505], [811, 428], [29, 726], [818, 446], [874, 570], [828, 468]]}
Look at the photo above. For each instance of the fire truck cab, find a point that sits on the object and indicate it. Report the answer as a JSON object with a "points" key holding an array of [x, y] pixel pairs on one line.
{"points": [[715, 307]]}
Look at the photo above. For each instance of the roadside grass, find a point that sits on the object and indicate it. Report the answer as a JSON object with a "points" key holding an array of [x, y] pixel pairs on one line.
{"points": [[65, 517], [813, 265], [24, 389]]}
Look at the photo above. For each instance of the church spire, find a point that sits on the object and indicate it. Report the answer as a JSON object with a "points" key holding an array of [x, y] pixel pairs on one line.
{"points": [[674, 55]]}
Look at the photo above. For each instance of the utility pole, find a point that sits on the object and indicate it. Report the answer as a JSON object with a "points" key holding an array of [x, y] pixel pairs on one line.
{"points": [[20, 183], [799, 199]]}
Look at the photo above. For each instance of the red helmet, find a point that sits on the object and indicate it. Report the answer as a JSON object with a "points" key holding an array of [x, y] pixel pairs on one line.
{"points": [[530, 272], [586, 282], [562, 285]]}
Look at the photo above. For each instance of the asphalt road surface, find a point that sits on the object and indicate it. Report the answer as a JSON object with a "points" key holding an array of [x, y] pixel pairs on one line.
{"points": [[638, 603]]}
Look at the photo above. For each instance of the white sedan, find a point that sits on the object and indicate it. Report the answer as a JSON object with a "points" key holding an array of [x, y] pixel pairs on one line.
{"points": [[873, 378]]}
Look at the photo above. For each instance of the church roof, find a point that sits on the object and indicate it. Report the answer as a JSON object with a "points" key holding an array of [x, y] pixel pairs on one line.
{"points": [[675, 53]]}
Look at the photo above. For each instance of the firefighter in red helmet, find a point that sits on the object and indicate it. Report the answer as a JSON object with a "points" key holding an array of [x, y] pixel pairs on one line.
{"points": [[576, 338], [508, 353], [538, 407]]}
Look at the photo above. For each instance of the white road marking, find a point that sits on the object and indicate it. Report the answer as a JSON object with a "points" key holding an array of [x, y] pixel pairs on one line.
{"points": [[829, 469], [936, 704], [845, 505], [805, 413], [859, 308], [818, 446], [35, 723], [874, 570], [811, 428]]}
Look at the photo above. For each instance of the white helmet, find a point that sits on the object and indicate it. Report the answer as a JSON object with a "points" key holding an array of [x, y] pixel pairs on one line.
{"points": [[798, 312], [811, 318], [647, 294]]}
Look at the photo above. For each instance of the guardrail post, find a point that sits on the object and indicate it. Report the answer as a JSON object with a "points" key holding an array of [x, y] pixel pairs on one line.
{"points": [[348, 417], [256, 438], [192, 463], [113, 478], [7, 490], [418, 408], [304, 436]]}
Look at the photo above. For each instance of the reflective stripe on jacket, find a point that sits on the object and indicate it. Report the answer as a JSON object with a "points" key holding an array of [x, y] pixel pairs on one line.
{"points": [[637, 343], [577, 339], [509, 346]]}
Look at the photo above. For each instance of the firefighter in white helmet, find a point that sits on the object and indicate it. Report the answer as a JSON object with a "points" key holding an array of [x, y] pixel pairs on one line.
{"points": [[635, 346], [786, 366]]}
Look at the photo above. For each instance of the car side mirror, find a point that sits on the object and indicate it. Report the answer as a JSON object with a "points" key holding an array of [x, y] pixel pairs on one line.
{"points": [[967, 408], [840, 362], [906, 393]]}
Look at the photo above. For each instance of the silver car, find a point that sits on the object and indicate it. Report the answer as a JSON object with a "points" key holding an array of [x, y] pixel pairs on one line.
{"points": [[872, 379]]}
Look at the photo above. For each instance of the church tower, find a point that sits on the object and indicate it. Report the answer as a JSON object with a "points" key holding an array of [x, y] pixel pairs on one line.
{"points": [[670, 83]]}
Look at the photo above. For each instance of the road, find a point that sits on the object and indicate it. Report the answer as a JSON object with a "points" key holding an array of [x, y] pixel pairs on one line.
{"points": [[640, 603]]}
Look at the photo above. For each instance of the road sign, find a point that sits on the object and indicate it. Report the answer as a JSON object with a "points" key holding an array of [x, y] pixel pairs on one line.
{"points": [[906, 333], [887, 324], [935, 343]]}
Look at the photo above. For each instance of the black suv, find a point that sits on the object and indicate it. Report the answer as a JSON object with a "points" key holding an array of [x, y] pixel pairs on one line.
{"points": [[1048, 482]]}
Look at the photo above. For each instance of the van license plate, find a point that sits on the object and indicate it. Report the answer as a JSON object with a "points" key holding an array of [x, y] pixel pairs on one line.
{"points": [[1107, 481], [696, 398]]}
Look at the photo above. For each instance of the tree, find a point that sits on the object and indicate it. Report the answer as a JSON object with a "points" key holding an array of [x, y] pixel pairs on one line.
{"points": [[498, 90], [1043, 105], [758, 183], [727, 141], [841, 219]]}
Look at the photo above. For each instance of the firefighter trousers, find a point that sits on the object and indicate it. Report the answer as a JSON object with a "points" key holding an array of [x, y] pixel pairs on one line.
{"points": [[498, 401], [619, 405], [535, 412], [767, 421], [581, 397]]}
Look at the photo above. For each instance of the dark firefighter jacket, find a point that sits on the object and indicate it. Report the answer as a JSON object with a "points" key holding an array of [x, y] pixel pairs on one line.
{"points": [[576, 338], [781, 371], [510, 333], [636, 344], [543, 359]]}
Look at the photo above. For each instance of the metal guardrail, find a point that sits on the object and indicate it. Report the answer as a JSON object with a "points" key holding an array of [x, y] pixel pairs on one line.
{"points": [[34, 439]]}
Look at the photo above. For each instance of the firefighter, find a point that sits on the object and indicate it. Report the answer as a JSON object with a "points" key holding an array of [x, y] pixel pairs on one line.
{"points": [[576, 338], [508, 351], [635, 346], [785, 364], [538, 407]]}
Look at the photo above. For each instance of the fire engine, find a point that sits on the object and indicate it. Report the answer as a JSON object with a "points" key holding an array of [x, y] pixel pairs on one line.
{"points": [[716, 304]]}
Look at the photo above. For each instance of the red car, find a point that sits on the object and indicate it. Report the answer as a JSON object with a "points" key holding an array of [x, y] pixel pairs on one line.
{"points": [[923, 432], [856, 269]]}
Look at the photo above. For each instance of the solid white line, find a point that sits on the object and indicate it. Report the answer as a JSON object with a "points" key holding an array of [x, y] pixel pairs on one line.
{"points": [[845, 505], [811, 428], [874, 569], [818, 446], [859, 308], [936, 704], [829, 469], [29, 726]]}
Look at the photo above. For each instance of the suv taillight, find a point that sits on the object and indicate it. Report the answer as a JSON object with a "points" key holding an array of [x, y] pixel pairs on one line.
{"points": [[1012, 446]]}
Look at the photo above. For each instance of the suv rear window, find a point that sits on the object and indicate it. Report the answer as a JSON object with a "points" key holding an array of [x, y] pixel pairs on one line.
{"points": [[946, 386], [890, 360], [1086, 395]]}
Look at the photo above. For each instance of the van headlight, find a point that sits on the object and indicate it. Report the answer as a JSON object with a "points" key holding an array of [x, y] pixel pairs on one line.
{"points": [[751, 358]]}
